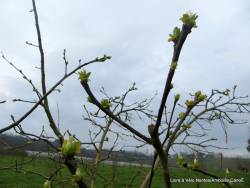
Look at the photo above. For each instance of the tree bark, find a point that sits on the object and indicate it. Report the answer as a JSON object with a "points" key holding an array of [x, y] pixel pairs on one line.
{"points": [[71, 164], [161, 153]]}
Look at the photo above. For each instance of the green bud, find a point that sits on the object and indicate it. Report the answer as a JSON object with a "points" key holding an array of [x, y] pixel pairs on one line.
{"points": [[216, 114], [105, 103], [189, 18], [171, 86], [202, 98], [226, 92], [173, 65], [170, 133], [180, 160], [89, 99], [70, 147], [199, 96], [47, 184], [104, 58], [177, 97], [189, 103], [84, 76], [195, 164], [78, 176], [187, 126], [107, 139], [174, 37], [227, 171], [182, 115]]}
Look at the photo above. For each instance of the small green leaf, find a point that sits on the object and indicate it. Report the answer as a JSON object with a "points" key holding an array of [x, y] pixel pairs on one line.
{"points": [[197, 94], [84, 76], [189, 18], [174, 37], [202, 98], [70, 147]]}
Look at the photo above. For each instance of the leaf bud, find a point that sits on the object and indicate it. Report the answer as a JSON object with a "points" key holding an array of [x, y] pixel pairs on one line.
{"points": [[70, 147]]}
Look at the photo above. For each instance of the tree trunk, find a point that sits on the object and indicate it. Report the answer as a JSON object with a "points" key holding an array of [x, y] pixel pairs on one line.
{"points": [[161, 153]]}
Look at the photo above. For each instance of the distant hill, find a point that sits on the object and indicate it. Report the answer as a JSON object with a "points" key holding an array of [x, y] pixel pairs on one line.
{"points": [[207, 161], [8, 141]]}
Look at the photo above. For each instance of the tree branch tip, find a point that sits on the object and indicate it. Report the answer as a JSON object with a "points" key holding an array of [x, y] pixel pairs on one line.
{"points": [[189, 20], [104, 58]]}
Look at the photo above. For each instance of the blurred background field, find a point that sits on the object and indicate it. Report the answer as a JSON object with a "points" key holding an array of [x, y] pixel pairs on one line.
{"points": [[18, 171]]}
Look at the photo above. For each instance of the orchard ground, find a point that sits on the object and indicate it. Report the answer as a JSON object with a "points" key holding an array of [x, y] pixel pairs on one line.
{"points": [[110, 175]]}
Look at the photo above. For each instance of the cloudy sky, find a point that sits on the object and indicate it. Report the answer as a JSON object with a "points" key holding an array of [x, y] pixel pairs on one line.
{"points": [[134, 33]]}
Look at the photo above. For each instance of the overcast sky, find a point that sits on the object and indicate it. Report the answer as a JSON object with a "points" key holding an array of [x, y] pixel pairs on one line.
{"points": [[134, 33]]}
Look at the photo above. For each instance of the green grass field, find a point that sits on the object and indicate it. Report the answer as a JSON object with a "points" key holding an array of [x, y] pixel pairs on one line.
{"points": [[121, 176]]}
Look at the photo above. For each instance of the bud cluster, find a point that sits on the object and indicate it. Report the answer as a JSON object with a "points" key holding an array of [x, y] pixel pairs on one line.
{"points": [[105, 103], [199, 97], [174, 37], [84, 75], [189, 18], [70, 147], [182, 115]]}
